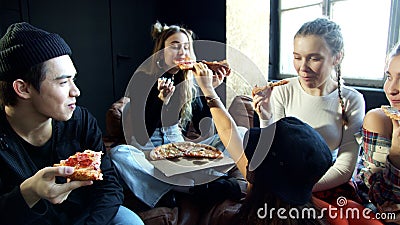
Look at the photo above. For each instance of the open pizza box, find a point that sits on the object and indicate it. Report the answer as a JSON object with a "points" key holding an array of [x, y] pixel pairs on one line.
{"points": [[183, 165]]}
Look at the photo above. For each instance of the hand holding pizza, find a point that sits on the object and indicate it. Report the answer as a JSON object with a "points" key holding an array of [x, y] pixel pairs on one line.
{"points": [[204, 78], [394, 114], [262, 104], [220, 70], [42, 185], [219, 76], [261, 98]]}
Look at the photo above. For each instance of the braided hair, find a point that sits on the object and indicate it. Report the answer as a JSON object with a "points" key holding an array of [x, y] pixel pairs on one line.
{"points": [[331, 33]]}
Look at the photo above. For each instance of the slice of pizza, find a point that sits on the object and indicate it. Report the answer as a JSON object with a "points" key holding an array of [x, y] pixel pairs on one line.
{"points": [[203, 151], [86, 164], [166, 151], [185, 149], [391, 112], [257, 89], [216, 65], [188, 64]]}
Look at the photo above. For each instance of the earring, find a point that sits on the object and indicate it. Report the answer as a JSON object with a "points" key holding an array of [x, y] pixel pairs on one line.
{"points": [[158, 64]]}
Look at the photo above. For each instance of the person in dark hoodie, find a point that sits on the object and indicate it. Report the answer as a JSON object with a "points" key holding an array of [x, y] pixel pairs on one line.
{"points": [[40, 124]]}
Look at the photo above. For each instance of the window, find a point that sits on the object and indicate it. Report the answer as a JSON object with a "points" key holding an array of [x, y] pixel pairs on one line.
{"points": [[369, 27]]}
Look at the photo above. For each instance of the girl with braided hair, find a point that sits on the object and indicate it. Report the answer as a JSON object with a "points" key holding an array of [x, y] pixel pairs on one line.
{"points": [[318, 97]]}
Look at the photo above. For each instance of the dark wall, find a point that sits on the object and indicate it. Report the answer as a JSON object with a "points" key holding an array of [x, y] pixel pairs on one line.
{"points": [[374, 97], [111, 38]]}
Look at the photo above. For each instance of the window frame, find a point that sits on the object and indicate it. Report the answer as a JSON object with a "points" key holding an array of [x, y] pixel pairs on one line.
{"points": [[274, 63]]}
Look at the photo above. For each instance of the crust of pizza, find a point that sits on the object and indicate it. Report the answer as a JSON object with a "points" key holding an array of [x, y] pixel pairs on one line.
{"points": [[270, 85], [86, 174], [391, 112], [185, 149], [86, 164]]}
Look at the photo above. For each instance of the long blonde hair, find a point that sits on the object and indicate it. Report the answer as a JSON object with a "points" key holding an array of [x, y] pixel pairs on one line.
{"points": [[160, 34]]}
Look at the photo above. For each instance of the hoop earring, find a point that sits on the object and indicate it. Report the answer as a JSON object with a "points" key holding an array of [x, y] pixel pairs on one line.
{"points": [[158, 64]]}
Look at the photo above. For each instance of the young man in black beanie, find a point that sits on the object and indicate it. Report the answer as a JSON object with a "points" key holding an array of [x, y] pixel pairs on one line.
{"points": [[40, 124]]}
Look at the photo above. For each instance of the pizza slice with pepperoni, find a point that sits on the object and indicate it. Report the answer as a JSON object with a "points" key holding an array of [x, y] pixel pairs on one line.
{"points": [[86, 164]]}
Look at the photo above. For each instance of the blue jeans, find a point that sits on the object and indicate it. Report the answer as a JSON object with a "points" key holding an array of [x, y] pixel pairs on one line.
{"points": [[125, 216], [146, 182]]}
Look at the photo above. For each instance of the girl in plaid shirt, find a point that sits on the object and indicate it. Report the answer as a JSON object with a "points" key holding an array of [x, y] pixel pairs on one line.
{"points": [[381, 145]]}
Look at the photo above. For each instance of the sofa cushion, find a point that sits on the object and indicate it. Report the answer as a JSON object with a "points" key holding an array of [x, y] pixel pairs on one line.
{"points": [[114, 122], [242, 111], [160, 215]]}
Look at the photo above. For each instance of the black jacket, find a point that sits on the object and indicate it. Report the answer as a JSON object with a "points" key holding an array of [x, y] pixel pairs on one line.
{"points": [[94, 204]]}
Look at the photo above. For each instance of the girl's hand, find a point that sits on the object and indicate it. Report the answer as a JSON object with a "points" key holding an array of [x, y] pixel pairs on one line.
{"points": [[166, 88], [262, 104], [204, 77], [219, 76]]}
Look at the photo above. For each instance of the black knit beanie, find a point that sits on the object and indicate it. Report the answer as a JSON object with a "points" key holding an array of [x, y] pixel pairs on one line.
{"points": [[24, 46]]}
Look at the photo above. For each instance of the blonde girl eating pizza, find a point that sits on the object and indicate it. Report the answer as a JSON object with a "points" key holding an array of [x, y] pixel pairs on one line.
{"points": [[163, 101]]}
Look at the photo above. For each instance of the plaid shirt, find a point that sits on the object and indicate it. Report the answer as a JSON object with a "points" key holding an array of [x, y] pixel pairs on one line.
{"points": [[385, 185], [375, 149], [378, 172]]}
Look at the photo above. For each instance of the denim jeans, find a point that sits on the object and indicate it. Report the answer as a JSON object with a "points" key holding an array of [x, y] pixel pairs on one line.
{"points": [[125, 216]]}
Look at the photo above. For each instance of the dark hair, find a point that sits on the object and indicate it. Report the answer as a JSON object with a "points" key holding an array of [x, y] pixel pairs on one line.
{"points": [[259, 197], [35, 76], [332, 34]]}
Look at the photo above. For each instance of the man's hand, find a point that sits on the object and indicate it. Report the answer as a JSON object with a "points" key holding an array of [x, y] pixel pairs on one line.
{"points": [[42, 185]]}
